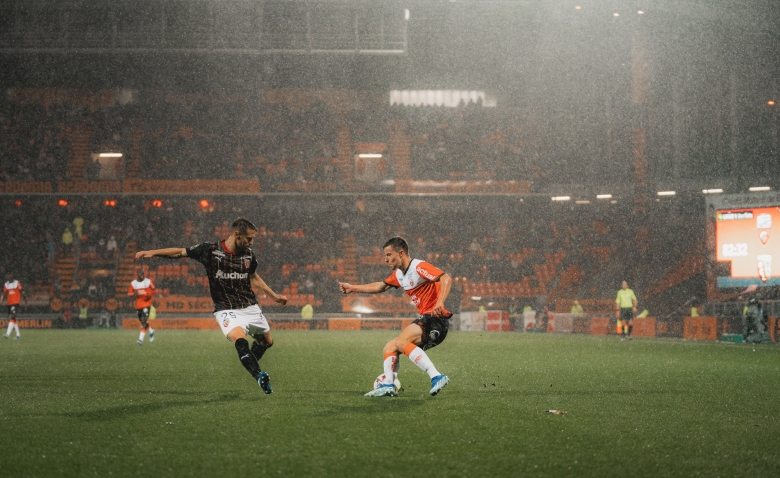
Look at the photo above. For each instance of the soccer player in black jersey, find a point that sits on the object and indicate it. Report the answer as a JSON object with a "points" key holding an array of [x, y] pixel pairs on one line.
{"points": [[231, 267]]}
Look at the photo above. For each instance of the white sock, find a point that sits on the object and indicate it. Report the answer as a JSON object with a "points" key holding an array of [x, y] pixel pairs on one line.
{"points": [[420, 358], [395, 370], [389, 365], [16, 326], [141, 337], [10, 328]]}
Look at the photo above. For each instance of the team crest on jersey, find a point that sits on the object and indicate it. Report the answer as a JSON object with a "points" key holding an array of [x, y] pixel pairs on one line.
{"points": [[411, 283], [225, 321], [247, 260]]}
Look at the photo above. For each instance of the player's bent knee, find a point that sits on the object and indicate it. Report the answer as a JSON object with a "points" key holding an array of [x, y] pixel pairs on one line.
{"points": [[402, 344], [235, 334], [390, 347]]}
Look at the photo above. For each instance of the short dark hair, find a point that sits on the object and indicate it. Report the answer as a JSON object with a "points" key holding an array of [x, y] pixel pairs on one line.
{"points": [[242, 225], [398, 244]]}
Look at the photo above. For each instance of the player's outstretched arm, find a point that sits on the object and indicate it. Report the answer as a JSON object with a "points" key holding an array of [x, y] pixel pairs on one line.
{"points": [[445, 282], [259, 283], [372, 288], [170, 253]]}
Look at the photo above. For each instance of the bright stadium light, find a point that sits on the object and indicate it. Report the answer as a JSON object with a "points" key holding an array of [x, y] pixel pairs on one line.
{"points": [[582, 201], [110, 155], [603, 196], [362, 309], [758, 188], [667, 193], [712, 191], [406, 14], [369, 155], [561, 198]]}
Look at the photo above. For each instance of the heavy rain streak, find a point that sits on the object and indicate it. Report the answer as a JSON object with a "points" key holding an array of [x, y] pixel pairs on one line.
{"points": [[339, 185]]}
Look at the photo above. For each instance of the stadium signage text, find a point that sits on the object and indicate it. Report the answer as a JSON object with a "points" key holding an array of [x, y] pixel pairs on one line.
{"points": [[185, 304], [25, 187], [89, 187]]}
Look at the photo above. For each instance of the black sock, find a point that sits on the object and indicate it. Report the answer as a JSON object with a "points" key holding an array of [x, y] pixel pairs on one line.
{"points": [[259, 349], [247, 358], [630, 327]]}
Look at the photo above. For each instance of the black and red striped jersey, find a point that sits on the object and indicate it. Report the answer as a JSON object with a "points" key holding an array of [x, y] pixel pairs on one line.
{"points": [[229, 274]]}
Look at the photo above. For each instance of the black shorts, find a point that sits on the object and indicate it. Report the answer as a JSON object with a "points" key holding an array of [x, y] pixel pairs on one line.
{"points": [[143, 313], [12, 309], [626, 314], [434, 330]]}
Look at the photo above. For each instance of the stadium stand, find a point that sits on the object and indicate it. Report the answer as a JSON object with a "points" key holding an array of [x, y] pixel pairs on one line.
{"points": [[307, 143]]}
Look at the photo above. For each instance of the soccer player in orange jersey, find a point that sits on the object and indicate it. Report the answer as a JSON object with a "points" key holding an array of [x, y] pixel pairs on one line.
{"points": [[12, 291], [428, 287], [143, 290]]}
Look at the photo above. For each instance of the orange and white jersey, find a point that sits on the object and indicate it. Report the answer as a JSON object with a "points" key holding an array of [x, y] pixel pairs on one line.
{"points": [[420, 282], [143, 292], [14, 292]]}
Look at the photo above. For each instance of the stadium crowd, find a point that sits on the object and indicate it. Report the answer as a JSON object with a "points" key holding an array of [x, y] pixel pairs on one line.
{"points": [[535, 250], [508, 249]]}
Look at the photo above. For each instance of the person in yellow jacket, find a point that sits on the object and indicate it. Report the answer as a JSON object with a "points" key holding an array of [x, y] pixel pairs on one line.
{"points": [[576, 308], [625, 308], [307, 312]]}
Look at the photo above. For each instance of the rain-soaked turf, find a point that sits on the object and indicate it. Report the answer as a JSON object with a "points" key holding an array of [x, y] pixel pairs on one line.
{"points": [[93, 403]]}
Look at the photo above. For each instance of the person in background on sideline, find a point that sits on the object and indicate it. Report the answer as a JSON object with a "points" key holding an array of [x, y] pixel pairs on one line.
{"points": [[143, 290], [576, 308], [625, 308], [12, 291], [307, 312]]}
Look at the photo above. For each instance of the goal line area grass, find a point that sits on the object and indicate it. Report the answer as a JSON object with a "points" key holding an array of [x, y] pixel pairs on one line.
{"points": [[93, 403]]}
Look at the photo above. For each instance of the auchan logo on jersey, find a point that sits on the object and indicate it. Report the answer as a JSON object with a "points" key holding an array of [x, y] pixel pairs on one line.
{"points": [[232, 275]]}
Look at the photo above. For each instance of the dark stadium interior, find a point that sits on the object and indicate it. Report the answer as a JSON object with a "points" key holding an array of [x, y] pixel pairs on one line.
{"points": [[538, 152], [284, 94]]}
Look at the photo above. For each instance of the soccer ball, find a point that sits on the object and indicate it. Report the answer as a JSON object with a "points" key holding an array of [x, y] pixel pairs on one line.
{"points": [[381, 378]]}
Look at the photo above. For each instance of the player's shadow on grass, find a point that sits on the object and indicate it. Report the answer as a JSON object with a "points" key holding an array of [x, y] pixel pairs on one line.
{"points": [[122, 411], [372, 406]]}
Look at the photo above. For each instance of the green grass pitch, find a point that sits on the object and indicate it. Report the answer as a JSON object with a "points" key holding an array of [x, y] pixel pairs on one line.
{"points": [[93, 403]]}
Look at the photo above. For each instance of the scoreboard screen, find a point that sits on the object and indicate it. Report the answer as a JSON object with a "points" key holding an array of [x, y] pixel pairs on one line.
{"points": [[745, 238]]}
